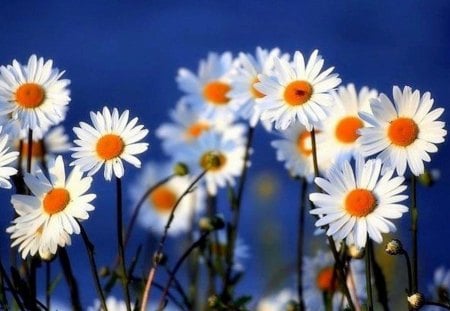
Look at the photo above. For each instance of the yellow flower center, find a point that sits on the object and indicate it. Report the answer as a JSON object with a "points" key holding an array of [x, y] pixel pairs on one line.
{"points": [[304, 146], [403, 132], [56, 200], [37, 149], [197, 129], [326, 280], [212, 160], [163, 199], [216, 92], [360, 202], [347, 129], [30, 95], [298, 92], [255, 92], [110, 146]]}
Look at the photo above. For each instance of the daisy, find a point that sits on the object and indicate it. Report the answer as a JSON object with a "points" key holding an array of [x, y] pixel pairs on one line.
{"points": [[243, 94], [6, 158], [34, 94], [208, 90], [223, 159], [112, 139], [404, 132], [296, 150], [440, 289], [359, 203], [112, 304], [50, 214], [319, 279], [191, 123], [342, 125], [278, 301], [297, 91], [157, 208]]}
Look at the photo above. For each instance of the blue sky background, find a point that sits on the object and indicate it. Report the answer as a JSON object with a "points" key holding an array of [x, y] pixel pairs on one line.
{"points": [[127, 53]]}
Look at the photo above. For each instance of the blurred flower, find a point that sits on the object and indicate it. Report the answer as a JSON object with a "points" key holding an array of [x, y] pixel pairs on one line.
{"points": [[33, 94], [278, 301], [243, 94], [50, 214], [342, 125], [6, 158], [404, 132], [112, 304], [296, 150], [297, 92], [208, 90], [160, 202], [440, 289], [319, 278], [223, 157], [359, 203], [112, 139]]}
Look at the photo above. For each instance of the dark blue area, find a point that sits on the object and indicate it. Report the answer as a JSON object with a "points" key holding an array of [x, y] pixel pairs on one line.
{"points": [[126, 54]]}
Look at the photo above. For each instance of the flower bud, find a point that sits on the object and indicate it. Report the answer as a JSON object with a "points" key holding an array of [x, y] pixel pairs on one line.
{"points": [[416, 300], [104, 271], [355, 252], [211, 223], [181, 169], [213, 301], [394, 247], [159, 258]]}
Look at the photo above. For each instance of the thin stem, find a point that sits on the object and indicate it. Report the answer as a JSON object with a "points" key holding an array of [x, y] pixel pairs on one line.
{"points": [[408, 266], [179, 288], [47, 284], [124, 276], [369, 274], [70, 278], [30, 149], [90, 251], [301, 242], [414, 229], [158, 252], [437, 304], [314, 154], [178, 265], [5, 277]]}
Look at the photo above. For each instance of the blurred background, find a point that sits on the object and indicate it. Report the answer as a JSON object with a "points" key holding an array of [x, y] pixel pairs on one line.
{"points": [[127, 53]]}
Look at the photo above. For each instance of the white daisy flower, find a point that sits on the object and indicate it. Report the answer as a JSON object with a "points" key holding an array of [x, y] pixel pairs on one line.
{"points": [[297, 91], [112, 139], [223, 157], [50, 214], [34, 94], [112, 303], [359, 203], [440, 289], [243, 94], [155, 212], [6, 158], [278, 301], [404, 132], [342, 125], [296, 150], [189, 124], [319, 278], [208, 90]]}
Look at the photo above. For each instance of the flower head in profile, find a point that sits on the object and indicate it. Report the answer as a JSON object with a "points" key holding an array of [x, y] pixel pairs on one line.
{"points": [[243, 93], [297, 91], [342, 126], [159, 203], [111, 140], [278, 301], [319, 279], [49, 215], [403, 132], [34, 94], [208, 89], [359, 203]]}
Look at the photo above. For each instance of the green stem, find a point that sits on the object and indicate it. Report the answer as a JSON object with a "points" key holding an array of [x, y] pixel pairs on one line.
{"points": [[301, 242], [47, 284], [70, 278], [369, 274], [414, 229], [124, 276], [408, 266]]}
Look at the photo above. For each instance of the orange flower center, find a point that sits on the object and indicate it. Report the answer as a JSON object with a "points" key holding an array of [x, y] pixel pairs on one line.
{"points": [[255, 92], [216, 92], [326, 280], [163, 199], [30, 95], [110, 146], [360, 202], [347, 129], [196, 129], [56, 200], [298, 92], [403, 132], [212, 160], [304, 146], [37, 149]]}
